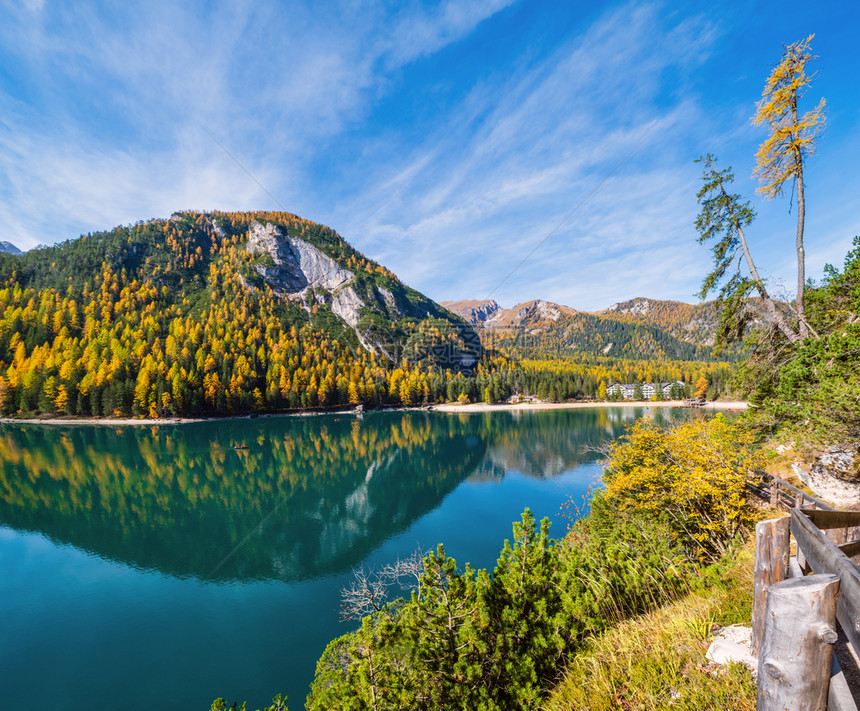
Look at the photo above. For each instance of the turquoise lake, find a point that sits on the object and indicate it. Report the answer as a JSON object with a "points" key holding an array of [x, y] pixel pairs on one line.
{"points": [[156, 567]]}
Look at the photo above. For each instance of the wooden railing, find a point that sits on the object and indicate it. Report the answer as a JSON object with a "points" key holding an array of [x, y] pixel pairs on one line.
{"points": [[780, 493], [806, 603]]}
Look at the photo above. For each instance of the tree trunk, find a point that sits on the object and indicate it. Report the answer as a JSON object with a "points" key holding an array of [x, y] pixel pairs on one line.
{"points": [[801, 220], [774, 315]]}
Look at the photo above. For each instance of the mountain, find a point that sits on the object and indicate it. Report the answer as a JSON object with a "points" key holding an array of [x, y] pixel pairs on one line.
{"points": [[475, 311], [9, 248], [364, 296], [640, 328], [216, 312], [488, 314], [688, 322]]}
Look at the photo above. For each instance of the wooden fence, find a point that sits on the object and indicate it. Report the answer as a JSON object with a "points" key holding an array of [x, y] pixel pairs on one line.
{"points": [[806, 603]]}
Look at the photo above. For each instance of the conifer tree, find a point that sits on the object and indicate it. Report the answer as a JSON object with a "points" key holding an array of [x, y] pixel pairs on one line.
{"points": [[724, 217], [791, 140], [522, 605]]}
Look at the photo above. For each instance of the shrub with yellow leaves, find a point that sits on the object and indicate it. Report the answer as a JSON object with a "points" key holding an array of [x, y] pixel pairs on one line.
{"points": [[691, 476]]}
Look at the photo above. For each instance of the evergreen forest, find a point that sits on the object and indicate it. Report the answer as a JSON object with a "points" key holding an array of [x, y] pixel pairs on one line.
{"points": [[172, 317]]}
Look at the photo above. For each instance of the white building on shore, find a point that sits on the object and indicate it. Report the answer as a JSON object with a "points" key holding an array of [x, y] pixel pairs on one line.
{"points": [[648, 389]]}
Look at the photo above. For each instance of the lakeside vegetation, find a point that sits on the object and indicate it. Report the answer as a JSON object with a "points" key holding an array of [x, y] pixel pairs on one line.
{"points": [[468, 639], [655, 660]]}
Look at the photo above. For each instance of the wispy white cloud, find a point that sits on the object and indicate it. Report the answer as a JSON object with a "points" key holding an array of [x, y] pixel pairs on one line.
{"points": [[416, 32], [125, 97], [491, 188], [90, 188]]}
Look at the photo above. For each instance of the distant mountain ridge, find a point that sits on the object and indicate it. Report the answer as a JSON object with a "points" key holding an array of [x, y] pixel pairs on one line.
{"points": [[639, 327], [489, 314], [9, 248], [694, 323], [475, 311]]}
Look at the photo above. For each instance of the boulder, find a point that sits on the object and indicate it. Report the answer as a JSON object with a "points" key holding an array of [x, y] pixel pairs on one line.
{"points": [[834, 475]]}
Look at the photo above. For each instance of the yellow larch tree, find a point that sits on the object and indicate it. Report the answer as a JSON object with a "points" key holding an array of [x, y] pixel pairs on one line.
{"points": [[791, 140]]}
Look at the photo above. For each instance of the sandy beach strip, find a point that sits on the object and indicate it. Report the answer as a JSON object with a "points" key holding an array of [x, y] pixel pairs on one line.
{"points": [[504, 407], [448, 407]]}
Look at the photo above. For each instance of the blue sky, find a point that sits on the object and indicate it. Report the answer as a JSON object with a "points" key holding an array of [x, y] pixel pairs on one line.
{"points": [[446, 140]]}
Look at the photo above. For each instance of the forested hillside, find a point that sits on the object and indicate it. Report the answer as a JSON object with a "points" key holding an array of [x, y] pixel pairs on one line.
{"points": [[220, 313], [176, 316], [588, 334], [693, 323], [636, 329]]}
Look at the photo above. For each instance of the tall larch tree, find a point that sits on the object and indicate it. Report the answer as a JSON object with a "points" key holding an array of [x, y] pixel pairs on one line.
{"points": [[791, 140], [724, 216]]}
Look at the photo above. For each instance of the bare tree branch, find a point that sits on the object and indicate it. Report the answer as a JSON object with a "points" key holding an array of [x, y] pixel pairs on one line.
{"points": [[370, 589]]}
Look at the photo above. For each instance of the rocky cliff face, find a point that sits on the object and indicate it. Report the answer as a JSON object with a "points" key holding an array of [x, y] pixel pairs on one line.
{"points": [[634, 306], [298, 269], [300, 272], [297, 264]]}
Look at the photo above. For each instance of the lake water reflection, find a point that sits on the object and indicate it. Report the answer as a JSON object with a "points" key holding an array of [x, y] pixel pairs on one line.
{"points": [[146, 567]]}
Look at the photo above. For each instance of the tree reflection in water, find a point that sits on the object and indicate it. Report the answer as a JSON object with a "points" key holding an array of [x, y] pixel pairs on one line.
{"points": [[310, 496]]}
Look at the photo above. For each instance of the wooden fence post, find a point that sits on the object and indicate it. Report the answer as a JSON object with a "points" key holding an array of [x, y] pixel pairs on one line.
{"points": [[797, 646], [771, 566], [801, 562], [801, 559], [774, 493]]}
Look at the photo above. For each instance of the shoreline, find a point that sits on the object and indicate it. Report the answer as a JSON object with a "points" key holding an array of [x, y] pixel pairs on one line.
{"points": [[448, 407], [501, 407]]}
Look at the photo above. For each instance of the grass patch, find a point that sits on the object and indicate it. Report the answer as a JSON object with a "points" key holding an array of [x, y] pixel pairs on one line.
{"points": [[657, 660]]}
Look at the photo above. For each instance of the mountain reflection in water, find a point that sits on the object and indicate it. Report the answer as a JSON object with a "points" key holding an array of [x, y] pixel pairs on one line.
{"points": [[310, 496]]}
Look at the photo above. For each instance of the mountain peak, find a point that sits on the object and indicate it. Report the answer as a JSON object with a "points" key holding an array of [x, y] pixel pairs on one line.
{"points": [[640, 305], [475, 311], [489, 314], [9, 248]]}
